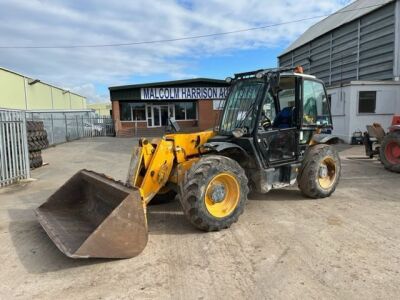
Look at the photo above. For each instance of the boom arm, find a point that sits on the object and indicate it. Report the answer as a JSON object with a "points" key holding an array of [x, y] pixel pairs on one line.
{"points": [[164, 160]]}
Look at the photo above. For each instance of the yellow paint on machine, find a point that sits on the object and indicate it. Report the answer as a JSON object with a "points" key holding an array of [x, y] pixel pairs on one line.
{"points": [[165, 160], [158, 170], [222, 208]]}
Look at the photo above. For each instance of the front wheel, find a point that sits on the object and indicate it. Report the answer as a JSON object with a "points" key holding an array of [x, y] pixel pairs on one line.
{"points": [[213, 193], [320, 171]]}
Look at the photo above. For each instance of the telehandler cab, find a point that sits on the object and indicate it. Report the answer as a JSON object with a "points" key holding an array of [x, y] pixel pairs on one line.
{"points": [[269, 136]]}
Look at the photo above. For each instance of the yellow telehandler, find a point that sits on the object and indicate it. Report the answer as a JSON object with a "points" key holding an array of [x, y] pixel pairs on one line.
{"points": [[273, 131]]}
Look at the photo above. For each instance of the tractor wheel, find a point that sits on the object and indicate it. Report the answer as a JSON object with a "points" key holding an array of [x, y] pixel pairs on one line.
{"points": [[320, 172], [389, 152], [213, 192]]}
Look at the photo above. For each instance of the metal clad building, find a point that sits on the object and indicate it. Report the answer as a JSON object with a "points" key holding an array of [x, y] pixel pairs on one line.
{"points": [[21, 92], [356, 47]]}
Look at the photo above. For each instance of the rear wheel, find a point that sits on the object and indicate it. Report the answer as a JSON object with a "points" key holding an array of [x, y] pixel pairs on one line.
{"points": [[320, 172], [213, 193], [390, 152]]}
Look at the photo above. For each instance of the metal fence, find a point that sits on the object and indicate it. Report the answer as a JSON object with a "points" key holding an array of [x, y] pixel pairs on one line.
{"points": [[66, 126], [14, 157]]}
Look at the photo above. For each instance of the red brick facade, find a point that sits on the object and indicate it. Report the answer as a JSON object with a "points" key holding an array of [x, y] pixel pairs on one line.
{"points": [[206, 114], [207, 118], [162, 98]]}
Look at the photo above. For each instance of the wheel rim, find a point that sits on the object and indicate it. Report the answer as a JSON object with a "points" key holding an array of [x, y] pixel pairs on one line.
{"points": [[392, 152], [222, 195], [327, 173]]}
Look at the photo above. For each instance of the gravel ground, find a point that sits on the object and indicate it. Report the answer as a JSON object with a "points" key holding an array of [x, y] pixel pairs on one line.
{"points": [[283, 247]]}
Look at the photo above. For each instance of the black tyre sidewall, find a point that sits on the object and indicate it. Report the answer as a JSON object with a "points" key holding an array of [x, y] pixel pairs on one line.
{"points": [[308, 175], [193, 189], [391, 137]]}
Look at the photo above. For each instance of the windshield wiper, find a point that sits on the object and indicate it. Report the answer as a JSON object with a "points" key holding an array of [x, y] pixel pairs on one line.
{"points": [[250, 110]]}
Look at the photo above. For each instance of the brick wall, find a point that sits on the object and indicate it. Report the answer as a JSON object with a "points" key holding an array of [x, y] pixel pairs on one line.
{"points": [[116, 115], [207, 116]]}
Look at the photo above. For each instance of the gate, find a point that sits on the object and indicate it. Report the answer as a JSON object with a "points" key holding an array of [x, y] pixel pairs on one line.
{"points": [[14, 157], [64, 126]]}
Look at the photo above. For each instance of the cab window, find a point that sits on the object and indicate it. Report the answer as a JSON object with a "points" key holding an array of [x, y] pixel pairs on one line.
{"points": [[286, 117], [315, 104], [268, 109]]}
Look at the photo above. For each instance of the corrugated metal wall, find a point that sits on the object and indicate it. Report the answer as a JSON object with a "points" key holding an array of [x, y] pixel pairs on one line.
{"points": [[360, 50], [17, 93]]}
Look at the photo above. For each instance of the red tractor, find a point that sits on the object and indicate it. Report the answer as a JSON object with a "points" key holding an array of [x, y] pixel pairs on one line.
{"points": [[386, 145]]}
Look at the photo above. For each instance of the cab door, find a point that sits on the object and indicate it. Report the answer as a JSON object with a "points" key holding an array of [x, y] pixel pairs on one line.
{"points": [[315, 110], [278, 143]]}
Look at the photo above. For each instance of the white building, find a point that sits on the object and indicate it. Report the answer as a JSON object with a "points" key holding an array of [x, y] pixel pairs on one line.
{"points": [[356, 51]]}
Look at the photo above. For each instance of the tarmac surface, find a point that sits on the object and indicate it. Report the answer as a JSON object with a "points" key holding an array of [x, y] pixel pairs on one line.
{"points": [[284, 246]]}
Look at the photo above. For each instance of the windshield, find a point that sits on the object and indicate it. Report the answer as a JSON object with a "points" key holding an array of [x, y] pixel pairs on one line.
{"points": [[241, 107]]}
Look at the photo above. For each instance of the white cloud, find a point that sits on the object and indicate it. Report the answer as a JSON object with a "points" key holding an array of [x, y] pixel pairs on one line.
{"points": [[59, 22], [89, 90]]}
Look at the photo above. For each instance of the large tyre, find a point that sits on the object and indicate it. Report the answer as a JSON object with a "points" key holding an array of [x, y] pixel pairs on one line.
{"points": [[390, 152], [320, 172], [213, 193]]}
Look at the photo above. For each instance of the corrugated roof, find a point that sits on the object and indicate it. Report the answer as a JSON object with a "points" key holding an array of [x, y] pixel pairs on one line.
{"points": [[167, 83], [345, 15]]}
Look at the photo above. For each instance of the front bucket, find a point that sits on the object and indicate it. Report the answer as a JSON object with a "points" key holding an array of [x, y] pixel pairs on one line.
{"points": [[94, 216]]}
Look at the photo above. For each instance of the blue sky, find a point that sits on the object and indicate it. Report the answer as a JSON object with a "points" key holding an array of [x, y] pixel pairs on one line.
{"points": [[89, 71]]}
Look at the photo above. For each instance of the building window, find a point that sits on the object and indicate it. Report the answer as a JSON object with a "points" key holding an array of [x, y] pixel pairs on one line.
{"points": [[191, 111], [132, 111], [185, 111], [366, 102], [138, 111], [125, 111], [180, 111]]}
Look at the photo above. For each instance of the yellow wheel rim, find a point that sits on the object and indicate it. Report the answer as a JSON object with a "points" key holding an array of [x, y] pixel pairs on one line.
{"points": [[222, 195], [327, 173]]}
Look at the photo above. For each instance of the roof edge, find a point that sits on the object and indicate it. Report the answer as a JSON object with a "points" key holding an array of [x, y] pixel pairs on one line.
{"points": [[162, 83], [290, 49]]}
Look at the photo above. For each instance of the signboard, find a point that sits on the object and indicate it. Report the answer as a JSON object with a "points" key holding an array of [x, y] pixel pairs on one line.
{"points": [[182, 93]]}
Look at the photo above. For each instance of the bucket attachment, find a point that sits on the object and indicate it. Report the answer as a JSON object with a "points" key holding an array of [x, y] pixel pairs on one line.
{"points": [[92, 215]]}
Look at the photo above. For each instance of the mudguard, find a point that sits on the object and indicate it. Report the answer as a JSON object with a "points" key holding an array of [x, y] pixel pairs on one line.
{"points": [[222, 146], [323, 138]]}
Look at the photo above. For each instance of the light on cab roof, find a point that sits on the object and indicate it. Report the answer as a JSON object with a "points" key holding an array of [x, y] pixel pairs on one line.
{"points": [[299, 69]]}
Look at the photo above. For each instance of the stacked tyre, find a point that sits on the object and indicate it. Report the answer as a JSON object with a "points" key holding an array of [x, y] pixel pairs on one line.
{"points": [[37, 141]]}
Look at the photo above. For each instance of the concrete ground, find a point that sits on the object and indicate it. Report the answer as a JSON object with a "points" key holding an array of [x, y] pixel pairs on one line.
{"points": [[284, 246]]}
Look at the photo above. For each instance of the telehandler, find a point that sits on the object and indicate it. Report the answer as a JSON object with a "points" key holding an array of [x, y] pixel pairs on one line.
{"points": [[270, 135]]}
